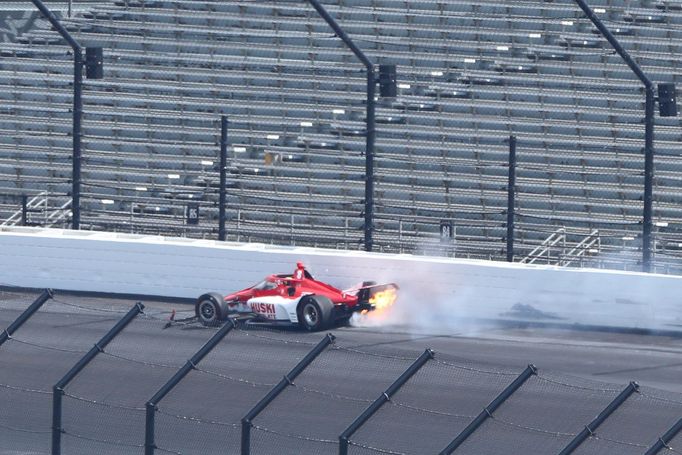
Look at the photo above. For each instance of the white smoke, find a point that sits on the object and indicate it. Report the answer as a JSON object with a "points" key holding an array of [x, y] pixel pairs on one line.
{"points": [[476, 296], [425, 306]]}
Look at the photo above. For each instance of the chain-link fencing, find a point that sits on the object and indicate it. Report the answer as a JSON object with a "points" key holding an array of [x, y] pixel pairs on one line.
{"points": [[103, 407], [300, 167]]}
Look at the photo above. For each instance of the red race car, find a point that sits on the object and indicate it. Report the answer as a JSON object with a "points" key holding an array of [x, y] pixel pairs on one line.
{"points": [[296, 299]]}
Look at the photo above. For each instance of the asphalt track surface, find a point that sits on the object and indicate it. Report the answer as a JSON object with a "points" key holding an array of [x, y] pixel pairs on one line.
{"points": [[579, 373]]}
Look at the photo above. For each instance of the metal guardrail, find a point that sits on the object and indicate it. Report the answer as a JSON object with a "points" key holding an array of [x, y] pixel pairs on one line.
{"points": [[585, 246], [558, 240], [40, 204], [545, 248]]}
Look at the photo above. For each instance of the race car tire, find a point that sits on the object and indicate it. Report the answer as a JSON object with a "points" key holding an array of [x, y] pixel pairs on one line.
{"points": [[210, 309], [315, 313]]}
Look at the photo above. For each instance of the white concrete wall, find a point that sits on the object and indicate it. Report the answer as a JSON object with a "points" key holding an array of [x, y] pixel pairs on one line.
{"points": [[432, 289]]}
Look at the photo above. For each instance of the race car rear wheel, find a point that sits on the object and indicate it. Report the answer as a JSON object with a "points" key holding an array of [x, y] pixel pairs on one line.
{"points": [[315, 313], [210, 309]]}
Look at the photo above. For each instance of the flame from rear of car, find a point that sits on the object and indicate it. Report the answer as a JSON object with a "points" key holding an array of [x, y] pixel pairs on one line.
{"points": [[383, 300]]}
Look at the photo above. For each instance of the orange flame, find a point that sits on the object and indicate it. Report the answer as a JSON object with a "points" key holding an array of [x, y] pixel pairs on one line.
{"points": [[383, 300]]}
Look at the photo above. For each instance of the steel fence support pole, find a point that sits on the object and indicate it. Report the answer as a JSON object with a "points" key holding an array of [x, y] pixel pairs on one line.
{"points": [[369, 159], [287, 380], [511, 187], [58, 389], [151, 405], [24, 210], [44, 296], [664, 440], [77, 110], [344, 438], [490, 409], [223, 178], [648, 131], [647, 222], [592, 426], [369, 121], [77, 135]]}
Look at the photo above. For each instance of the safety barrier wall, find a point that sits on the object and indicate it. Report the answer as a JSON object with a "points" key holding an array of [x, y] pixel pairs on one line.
{"points": [[442, 287]]}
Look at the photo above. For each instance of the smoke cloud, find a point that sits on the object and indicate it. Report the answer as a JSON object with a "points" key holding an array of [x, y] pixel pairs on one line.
{"points": [[467, 297]]}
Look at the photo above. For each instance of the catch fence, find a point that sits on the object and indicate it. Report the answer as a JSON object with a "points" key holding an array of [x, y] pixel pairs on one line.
{"points": [[312, 158], [337, 397]]}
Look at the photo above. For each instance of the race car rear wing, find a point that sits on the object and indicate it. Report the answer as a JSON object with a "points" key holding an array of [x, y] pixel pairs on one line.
{"points": [[366, 293]]}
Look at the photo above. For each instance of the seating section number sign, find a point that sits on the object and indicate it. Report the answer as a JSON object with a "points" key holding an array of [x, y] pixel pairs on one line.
{"points": [[192, 213]]}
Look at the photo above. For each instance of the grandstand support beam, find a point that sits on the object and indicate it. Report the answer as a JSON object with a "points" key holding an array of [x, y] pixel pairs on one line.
{"points": [[511, 187], [370, 120], [648, 131], [77, 110], [223, 178]]}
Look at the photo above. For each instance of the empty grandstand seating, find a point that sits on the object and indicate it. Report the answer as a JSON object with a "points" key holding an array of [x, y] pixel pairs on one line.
{"points": [[470, 75]]}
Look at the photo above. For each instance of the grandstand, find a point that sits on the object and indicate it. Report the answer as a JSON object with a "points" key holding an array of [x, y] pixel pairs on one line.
{"points": [[470, 75]]}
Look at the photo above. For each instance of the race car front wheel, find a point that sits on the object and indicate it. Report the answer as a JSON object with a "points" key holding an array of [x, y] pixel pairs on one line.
{"points": [[210, 309], [315, 313]]}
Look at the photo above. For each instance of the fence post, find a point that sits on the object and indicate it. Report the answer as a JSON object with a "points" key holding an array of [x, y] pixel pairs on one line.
{"points": [[664, 440], [511, 187], [647, 217], [344, 438], [151, 405], [24, 210], [488, 410], [77, 109], [592, 426], [369, 159], [649, 106], [223, 178], [58, 389], [370, 120], [46, 295], [286, 381]]}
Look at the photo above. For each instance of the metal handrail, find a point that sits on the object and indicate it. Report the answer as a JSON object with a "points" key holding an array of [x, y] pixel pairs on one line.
{"points": [[34, 202], [581, 248], [545, 246], [59, 214]]}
